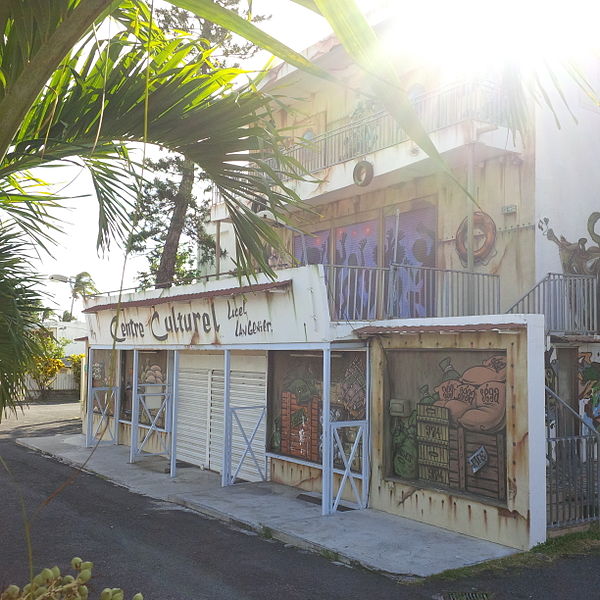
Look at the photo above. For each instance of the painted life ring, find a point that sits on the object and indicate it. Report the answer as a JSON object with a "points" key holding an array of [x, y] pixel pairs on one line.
{"points": [[362, 173], [485, 224]]}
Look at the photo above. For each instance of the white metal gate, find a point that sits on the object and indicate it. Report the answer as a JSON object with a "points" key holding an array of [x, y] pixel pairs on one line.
{"points": [[102, 397]]}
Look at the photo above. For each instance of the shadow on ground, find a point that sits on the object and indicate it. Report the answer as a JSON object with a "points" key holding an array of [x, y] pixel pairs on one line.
{"points": [[71, 426]]}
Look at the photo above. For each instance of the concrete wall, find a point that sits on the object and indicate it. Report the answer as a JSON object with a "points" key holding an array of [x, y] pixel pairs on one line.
{"points": [[519, 520]]}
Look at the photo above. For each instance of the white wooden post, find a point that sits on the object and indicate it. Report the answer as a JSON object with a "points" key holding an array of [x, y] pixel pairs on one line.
{"points": [[135, 409], [89, 415], [327, 474], [173, 413], [227, 424]]}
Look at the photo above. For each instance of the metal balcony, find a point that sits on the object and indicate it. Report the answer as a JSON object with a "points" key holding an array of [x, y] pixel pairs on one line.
{"points": [[405, 292], [569, 303], [436, 110]]}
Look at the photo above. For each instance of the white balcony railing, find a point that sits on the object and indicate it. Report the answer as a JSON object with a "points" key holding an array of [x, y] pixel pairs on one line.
{"points": [[436, 110]]}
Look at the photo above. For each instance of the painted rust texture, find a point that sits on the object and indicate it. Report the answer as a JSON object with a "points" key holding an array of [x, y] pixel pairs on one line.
{"points": [[152, 445], [306, 478], [498, 513]]}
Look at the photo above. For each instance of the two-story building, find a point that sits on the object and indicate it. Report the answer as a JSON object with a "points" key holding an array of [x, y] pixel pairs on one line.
{"points": [[382, 371]]}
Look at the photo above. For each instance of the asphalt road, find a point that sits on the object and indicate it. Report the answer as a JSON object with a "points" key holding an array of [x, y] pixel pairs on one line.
{"points": [[167, 552]]}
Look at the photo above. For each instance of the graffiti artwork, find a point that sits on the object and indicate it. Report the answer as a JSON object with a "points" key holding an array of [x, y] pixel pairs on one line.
{"points": [[355, 247], [589, 389], [317, 248], [296, 415], [410, 240], [447, 419], [576, 258]]}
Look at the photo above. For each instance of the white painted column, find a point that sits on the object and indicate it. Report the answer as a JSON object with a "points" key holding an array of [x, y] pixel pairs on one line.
{"points": [[135, 408], [227, 424], [327, 471], [536, 398], [173, 413], [89, 415]]}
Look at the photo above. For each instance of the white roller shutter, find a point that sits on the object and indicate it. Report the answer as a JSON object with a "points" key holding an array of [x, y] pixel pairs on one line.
{"points": [[192, 416], [215, 445]]}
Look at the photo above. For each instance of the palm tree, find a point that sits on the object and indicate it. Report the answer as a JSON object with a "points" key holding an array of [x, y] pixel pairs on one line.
{"points": [[82, 285], [64, 94]]}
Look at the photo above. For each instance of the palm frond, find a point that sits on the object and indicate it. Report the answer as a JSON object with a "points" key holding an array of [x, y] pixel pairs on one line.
{"points": [[20, 310]]}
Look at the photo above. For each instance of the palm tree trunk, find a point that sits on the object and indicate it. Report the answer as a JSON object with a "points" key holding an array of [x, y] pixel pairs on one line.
{"points": [[166, 268]]}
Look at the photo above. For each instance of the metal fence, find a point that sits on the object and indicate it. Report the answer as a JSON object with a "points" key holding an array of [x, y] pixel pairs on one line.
{"points": [[572, 466], [442, 108], [433, 292], [64, 381], [404, 292], [569, 303], [356, 293]]}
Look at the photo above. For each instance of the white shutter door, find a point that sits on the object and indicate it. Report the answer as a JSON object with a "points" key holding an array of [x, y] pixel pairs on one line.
{"points": [[192, 413], [216, 426]]}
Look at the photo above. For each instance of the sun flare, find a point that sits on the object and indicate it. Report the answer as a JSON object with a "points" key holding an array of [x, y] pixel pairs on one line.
{"points": [[470, 35]]}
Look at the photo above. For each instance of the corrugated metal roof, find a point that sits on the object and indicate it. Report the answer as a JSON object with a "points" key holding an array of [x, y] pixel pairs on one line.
{"points": [[575, 339], [372, 330], [245, 289]]}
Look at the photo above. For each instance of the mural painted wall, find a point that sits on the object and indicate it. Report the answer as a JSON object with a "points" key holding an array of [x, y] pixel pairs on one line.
{"points": [[401, 366], [295, 411], [446, 419], [576, 258], [588, 379]]}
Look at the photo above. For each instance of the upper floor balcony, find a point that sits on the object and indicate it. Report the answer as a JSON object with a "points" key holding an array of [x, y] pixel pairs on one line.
{"points": [[442, 109], [469, 113]]}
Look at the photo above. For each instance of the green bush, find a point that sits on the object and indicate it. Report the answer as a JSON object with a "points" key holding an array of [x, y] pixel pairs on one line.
{"points": [[76, 367], [50, 584]]}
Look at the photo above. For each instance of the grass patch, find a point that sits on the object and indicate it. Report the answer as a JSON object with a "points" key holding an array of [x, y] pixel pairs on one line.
{"points": [[570, 544], [266, 533], [330, 555]]}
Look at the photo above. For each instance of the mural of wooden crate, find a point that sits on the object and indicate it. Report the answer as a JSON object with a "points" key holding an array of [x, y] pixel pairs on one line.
{"points": [[432, 424], [490, 479], [433, 474], [432, 443], [433, 454]]}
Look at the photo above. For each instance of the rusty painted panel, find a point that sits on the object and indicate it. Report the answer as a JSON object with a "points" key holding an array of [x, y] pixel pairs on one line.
{"points": [[492, 503]]}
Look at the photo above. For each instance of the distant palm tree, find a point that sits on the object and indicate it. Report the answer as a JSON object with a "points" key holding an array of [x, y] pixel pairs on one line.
{"points": [[82, 285]]}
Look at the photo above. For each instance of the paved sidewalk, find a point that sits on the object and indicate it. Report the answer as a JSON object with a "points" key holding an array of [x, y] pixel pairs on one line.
{"points": [[369, 538]]}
